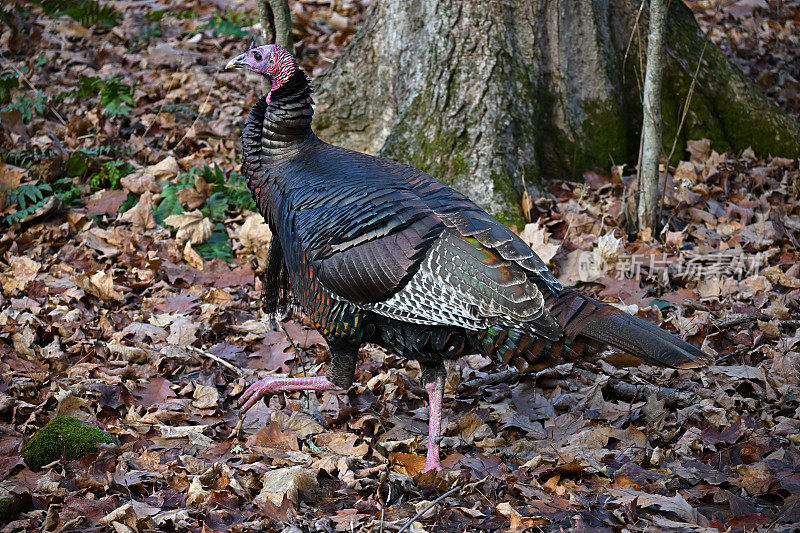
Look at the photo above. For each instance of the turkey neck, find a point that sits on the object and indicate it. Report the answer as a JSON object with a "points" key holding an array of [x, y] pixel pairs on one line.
{"points": [[273, 135], [287, 117]]}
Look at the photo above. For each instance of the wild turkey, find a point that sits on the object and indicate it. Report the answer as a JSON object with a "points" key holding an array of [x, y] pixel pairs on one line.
{"points": [[378, 251]]}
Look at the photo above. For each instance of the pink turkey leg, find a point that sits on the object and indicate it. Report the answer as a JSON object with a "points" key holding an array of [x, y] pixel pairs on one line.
{"points": [[435, 394], [271, 385]]}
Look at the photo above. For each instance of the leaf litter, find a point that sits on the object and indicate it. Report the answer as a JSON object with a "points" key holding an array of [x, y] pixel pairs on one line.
{"points": [[128, 304]]}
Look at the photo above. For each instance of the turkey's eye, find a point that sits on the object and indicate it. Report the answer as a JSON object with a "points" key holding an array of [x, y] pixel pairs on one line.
{"points": [[257, 55]]}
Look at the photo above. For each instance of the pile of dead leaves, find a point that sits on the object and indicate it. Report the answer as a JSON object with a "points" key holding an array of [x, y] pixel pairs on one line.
{"points": [[762, 38]]}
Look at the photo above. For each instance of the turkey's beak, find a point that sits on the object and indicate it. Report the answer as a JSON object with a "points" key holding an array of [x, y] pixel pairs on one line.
{"points": [[237, 62]]}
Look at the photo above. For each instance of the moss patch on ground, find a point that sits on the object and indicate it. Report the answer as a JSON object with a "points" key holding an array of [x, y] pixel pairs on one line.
{"points": [[5, 508], [64, 436]]}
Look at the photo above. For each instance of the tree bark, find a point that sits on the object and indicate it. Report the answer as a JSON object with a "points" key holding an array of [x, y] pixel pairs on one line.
{"points": [[488, 95], [276, 26], [647, 208]]}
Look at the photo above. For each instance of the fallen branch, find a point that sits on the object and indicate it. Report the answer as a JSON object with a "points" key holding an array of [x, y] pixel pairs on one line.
{"points": [[512, 374], [233, 368], [785, 323], [642, 391], [425, 510], [742, 320]]}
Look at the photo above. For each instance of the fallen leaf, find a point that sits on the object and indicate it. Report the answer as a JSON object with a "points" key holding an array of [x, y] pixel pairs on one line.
{"points": [[193, 227], [21, 271], [286, 482], [141, 215], [205, 397], [99, 284]]}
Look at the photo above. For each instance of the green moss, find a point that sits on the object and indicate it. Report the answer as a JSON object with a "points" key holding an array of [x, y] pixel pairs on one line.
{"points": [[726, 107], [6, 505], [64, 436]]}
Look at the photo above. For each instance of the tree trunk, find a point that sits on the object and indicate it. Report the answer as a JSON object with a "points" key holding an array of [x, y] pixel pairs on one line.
{"points": [[490, 95], [276, 26], [651, 125]]}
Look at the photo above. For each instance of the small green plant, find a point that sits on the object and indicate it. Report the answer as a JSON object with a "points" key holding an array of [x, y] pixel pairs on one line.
{"points": [[8, 82], [159, 14], [66, 190], [85, 12], [110, 173], [182, 109], [217, 246], [170, 204], [146, 33], [116, 97], [63, 437], [26, 199], [229, 193], [27, 105], [129, 202], [25, 158], [232, 24]]}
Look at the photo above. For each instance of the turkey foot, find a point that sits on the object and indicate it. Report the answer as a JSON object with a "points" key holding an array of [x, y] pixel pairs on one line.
{"points": [[435, 393], [270, 385]]}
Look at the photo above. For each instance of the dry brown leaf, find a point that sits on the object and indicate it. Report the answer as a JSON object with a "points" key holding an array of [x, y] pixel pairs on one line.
{"points": [[286, 482], [191, 256], [11, 176], [205, 397], [140, 182], [255, 234], [519, 522], [343, 444], [193, 227], [536, 236], [21, 271], [196, 496], [675, 504], [183, 331], [165, 169], [141, 215], [99, 284]]}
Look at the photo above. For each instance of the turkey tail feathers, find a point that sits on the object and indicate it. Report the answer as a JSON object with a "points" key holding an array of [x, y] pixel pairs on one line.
{"points": [[645, 341], [582, 315]]}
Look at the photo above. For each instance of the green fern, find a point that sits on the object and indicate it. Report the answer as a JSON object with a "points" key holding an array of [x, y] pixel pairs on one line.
{"points": [[146, 33], [217, 246], [170, 203], [27, 105], [110, 173], [27, 199], [116, 97], [66, 190], [85, 12], [159, 14]]}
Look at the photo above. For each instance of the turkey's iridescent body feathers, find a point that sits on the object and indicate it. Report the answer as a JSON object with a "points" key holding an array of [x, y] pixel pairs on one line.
{"points": [[379, 251]]}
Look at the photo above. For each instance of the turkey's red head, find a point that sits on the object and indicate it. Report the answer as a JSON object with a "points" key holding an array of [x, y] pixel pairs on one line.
{"points": [[270, 60]]}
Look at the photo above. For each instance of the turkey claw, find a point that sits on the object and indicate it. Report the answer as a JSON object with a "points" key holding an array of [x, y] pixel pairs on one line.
{"points": [[256, 391]]}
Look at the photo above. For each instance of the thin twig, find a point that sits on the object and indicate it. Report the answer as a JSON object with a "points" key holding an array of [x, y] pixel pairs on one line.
{"points": [[202, 106], [630, 39], [742, 320], [233, 368], [685, 112], [425, 510], [512, 374], [33, 87]]}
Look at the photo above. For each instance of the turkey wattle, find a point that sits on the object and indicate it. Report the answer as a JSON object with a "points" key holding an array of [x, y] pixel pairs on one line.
{"points": [[378, 251]]}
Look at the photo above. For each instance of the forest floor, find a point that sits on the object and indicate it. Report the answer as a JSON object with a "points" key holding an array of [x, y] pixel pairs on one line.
{"points": [[131, 298]]}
